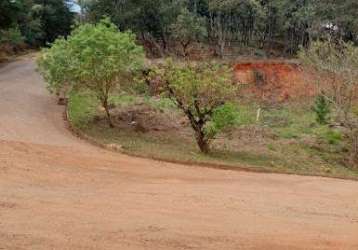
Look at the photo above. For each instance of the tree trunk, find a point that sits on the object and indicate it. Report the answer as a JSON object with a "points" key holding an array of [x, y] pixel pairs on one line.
{"points": [[185, 46], [354, 151], [106, 108], [222, 49], [202, 142], [151, 40]]}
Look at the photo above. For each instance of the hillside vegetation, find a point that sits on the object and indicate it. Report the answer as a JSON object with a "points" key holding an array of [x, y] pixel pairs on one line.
{"points": [[293, 116]]}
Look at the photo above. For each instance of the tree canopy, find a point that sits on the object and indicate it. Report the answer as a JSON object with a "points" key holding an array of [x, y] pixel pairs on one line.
{"points": [[283, 25], [39, 21], [203, 92], [287, 24]]}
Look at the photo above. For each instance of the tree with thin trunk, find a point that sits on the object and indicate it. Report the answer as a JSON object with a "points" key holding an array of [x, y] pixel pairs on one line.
{"points": [[96, 57], [188, 28], [203, 92]]}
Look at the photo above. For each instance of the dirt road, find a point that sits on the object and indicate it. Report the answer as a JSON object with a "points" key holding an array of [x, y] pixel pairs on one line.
{"points": [[58, 192]]}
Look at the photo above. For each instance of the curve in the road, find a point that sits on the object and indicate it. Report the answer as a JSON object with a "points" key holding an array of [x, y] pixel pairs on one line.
{"points": [[58, 192]]}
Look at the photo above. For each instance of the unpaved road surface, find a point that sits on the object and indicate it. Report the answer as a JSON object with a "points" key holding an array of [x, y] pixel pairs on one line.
{"points": [[58, 192]]}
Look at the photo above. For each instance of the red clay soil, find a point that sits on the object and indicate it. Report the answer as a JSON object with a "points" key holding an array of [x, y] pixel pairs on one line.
{"points": [[58, 192], [274, 81]]}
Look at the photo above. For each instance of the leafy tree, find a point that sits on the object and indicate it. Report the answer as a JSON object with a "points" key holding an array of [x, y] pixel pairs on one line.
{"points": [[188, 28], [282, 24], [98, 58], [56, 18], [341, 16], [8, 12], [336, 64], [150, 20], [203, 93]]}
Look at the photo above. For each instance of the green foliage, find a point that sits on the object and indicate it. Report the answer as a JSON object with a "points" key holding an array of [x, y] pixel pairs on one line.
{"points": [[223, 117], [55, 17], [122, 100], [54, 65], [342, 14], [11, 36], [162, 103], [201, 92], [289, 122], [38, 21], [321, 109], [145, 17], [198, 87], [188, 28], [333, 57], [333, 136], [101, 56], [273, 154], [336, 63], [264, 24], [96, 57], [329, 135]]}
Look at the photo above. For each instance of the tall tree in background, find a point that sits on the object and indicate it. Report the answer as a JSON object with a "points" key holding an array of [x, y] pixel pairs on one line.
{"points": [[151, 20], [283, 25], [40, 21], [8, 12], [56, 18], [188, 28], [340, 16]]}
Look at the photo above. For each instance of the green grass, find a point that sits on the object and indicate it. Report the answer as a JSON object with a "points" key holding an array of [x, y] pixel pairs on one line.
{"points": [[289, 122], [292, 141]]}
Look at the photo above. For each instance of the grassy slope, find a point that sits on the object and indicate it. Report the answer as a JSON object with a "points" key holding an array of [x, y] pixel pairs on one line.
{"points": [[291, 142]]}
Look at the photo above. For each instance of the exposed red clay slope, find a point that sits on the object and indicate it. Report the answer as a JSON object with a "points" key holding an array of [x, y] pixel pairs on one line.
{"points": [[58, 192], [274, 81]]}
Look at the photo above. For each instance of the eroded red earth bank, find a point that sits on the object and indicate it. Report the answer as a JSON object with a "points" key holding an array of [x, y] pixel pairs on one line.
{"points": [[274, 81]]}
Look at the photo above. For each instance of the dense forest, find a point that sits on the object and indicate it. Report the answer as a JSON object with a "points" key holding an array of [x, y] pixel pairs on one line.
{"points": [[263, 24], [267, 27], [34, 22]]}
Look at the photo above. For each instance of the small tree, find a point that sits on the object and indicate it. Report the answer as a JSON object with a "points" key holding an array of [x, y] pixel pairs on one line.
{"points": [[336, 64], [95, 57], [203, 93], [188, 28], [321, 108]]}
